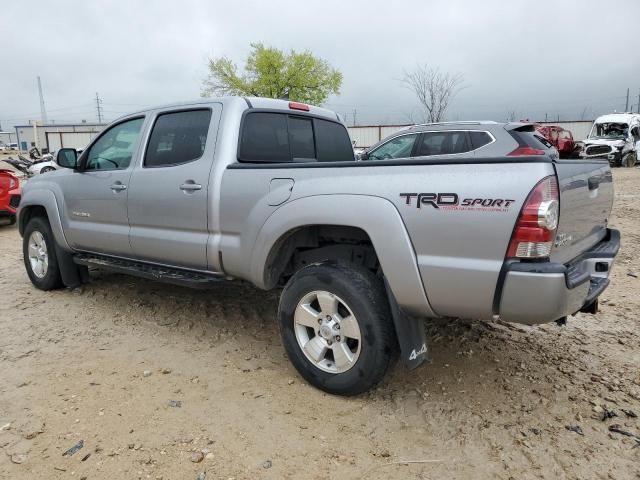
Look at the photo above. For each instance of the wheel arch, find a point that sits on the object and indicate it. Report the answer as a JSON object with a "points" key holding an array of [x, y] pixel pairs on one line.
{"points": [[42, 203], [375, 219]]}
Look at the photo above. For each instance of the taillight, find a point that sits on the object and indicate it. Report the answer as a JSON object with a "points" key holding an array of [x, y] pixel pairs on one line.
{"points": [[298, 106], [526, 152], [536, 227], [13, 183]]}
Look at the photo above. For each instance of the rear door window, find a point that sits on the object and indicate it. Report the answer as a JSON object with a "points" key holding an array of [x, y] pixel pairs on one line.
{"points": [[443, 143], [177, 138], [399, 147]]}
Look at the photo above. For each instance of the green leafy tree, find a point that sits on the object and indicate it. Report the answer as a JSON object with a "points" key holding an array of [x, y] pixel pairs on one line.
{"points": [[270, 72]]}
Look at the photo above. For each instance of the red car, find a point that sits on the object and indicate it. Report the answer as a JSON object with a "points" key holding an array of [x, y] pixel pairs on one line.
{"points": [[9, 196], [559, 137]]}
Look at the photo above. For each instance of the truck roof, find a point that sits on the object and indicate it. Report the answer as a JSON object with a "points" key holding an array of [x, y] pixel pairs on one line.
{"points": [[619, 118], [250, 102]]}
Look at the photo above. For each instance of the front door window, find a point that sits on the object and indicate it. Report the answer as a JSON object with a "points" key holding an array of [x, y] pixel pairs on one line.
{"points": [[399, 147], [114, 149]]}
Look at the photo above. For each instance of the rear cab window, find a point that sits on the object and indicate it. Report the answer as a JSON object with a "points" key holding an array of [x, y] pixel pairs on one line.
{"points": [[275, 137]]}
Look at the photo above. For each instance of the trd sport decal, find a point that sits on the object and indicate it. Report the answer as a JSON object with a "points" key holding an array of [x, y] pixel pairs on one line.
{"points": [[451, 201]]}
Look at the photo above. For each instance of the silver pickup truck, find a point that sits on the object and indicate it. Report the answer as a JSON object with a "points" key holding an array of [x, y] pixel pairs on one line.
{"points": [[268, 191]]}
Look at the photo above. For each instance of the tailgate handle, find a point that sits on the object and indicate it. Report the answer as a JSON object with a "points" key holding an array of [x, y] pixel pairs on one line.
{"points": [[593, 182]]}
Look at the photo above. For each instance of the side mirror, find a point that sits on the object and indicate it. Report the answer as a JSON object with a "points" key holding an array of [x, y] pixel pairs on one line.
{"points": [[67, 158], [364, 156]]}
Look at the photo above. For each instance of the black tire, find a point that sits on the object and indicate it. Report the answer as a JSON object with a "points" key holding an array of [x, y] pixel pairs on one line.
{"points": [[47, 169], [51, 279], [629, 160], [365, 295]]}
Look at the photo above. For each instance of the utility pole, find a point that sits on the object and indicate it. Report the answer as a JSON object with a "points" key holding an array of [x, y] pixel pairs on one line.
{"points": [[35, 134], [99, 107], [354, 117], [43, 111], [626, 108], [638, 106]]}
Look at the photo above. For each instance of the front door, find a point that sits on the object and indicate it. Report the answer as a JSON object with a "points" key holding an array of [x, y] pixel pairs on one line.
{"points": [[95, 198], [169, 192]]}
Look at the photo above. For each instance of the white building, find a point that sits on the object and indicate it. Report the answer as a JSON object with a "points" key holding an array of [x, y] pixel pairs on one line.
{"points": [[54, 136]]}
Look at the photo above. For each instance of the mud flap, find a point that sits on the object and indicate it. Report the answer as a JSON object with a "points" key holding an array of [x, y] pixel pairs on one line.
{"points": [[411, 334], [69, 271]]}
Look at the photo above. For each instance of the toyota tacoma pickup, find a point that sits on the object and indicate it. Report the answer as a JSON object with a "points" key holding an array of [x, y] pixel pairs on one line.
{"points": [[268, 191]]}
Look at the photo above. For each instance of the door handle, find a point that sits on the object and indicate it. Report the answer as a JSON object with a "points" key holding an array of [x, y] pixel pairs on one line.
{"points": [[118, 187], [190, 187]]}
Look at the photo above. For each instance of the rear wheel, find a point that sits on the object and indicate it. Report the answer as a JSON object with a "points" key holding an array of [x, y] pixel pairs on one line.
{"points": [[38, 249], [47, 169], [336, 327]]}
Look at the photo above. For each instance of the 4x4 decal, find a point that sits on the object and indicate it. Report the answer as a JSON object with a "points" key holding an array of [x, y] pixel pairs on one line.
{"points": [[451, 201]]}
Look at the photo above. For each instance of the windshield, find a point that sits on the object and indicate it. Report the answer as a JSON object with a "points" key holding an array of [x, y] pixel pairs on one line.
{"points": [[610, 131]]}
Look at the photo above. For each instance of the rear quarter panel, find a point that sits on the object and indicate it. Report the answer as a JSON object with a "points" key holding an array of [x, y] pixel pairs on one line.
{"points": [[458, 251]]}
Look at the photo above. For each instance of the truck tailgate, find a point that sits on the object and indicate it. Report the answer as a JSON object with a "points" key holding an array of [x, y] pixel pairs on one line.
{"points": [[586, 199]]}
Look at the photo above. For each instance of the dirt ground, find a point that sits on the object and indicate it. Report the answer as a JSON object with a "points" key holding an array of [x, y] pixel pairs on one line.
{"points": [[163, 382]]}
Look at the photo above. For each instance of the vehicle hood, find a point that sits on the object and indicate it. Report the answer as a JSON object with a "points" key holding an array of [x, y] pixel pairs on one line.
{"points": [[604, 141]]}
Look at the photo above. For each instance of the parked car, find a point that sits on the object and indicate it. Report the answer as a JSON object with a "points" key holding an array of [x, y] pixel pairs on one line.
{"points": [[450, 140], [615, 137], [9, 196], [268, 191], [559, 137], [46, 163]]}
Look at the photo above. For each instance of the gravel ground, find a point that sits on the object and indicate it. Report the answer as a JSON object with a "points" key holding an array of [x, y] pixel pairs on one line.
{"points": [[163, 382]]}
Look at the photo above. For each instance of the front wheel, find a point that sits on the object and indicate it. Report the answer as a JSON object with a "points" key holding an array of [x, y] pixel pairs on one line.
{"points": [[38, 250], [336, 327], [630, 160], [47, 169]]}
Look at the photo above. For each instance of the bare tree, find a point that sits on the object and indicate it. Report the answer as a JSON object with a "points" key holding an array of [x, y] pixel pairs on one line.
{"points": [[434, 89], [511, 116]]}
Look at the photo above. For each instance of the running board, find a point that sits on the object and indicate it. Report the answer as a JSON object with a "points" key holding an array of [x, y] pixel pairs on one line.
{"points": [[176, 276]]}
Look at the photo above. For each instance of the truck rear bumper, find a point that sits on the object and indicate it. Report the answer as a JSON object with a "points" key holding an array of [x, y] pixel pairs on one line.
{"points": [[543, 292]]}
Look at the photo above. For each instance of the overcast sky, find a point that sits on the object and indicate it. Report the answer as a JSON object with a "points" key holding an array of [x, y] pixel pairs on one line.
{"points": [[531, 58]]}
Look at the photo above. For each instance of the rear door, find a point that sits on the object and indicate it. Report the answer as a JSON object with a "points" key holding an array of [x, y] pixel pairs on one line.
{"points": [[169, 190]]}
